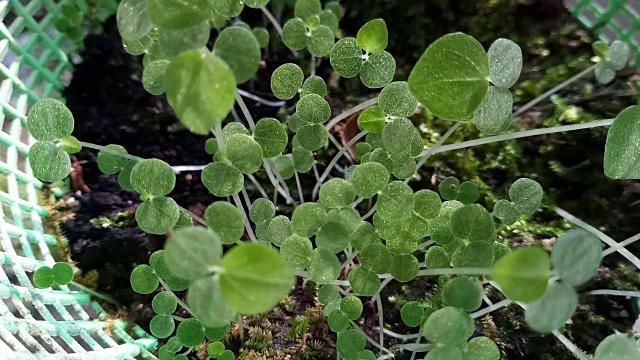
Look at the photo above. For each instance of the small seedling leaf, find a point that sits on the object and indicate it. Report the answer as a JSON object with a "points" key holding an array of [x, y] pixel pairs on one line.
{"points": [[279, 230], [346, 57], [261, 210], [222, 179], [62, 273], [177, 14], [286, 81], [49, 120], [162, 326], [576, 256], [312, 137], [463, 292], [313, 109], [493, 116], [378, 70], [505, 62], [321, 41], [526, 195], [373, 37], [143, 279], [190, 333], [226, 220], [190, 252], [395, 201], [448, 326], [404, 267], [308, 218], [396, 100], [473, 223], [157, 215], [44, 277], [49, 162], [481, 348], [364, 281], [296, 251], [552, 310], [207, 303], [523, 274], [621, 154], [270, 134], [376, 257], [294, 34], [372, 119], [164, 303], [436, 258]]}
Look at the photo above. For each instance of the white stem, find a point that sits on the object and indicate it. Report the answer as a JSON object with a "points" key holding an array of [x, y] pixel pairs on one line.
{"points": [[258, 186], [354, 110], [312, 66], [185, 168], [339, 147], [569, 345], [615, 293], [276, 25], [370, 213], [492, 308], [245, 112], [400, 336], [260, 100], [299, 188], [270, 167], [373, 342], [425, 155], [247, 225]]}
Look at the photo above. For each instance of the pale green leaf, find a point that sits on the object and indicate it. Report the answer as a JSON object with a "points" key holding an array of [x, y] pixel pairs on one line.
{"points": [[49, 162], [157, 215], [551, 311], [191, 252], [178, 14], [576, 256], [49, 119], [373, 37], [153, 177], [622, 150], [346, 57], [207, 303], [226, 220], [505, 62], [378, 70], [286, 81], [493, 116], [523, 274]]}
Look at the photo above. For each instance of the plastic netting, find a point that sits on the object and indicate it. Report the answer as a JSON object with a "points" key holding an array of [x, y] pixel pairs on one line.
{"points": [[58, 323]]}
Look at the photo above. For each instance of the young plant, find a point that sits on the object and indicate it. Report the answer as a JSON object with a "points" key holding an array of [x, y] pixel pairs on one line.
{"points": [[327, 240]]}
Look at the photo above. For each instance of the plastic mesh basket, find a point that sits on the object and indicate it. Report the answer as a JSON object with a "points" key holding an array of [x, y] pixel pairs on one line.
{"points": [[57, 323]]}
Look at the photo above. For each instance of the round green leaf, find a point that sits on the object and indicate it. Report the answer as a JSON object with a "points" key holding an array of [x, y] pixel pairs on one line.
{"points": [[329, 19], [215, 349], [157, 215], [143, 279], [173, 345], [124, 177], [158, 263], [618, 347], [427, 204], [350, 343], [493, 116], [296, 251], [244, 153], [177, 14], [226, 220], [576, 256], [381, 156], [263, 36], [619, 53], [505, 211], [376, 257], [604, 72], [363, 235], [255, 278], [362, 149], [481, 348], [177, 284], [333, 236], [164, 303], [262, 228], [337, 193], [372, 119], [621, 150], [164, 354], [373, 37], [170, 43], [436, 258], [404, 267], [473, 223], [500, 250], [284, 166], [445, 352], [477, 254], [439, 228], [162, 326], [70, 144], [314, 85], [279, 229], [154, 75], [49, 162], [308, 218], [208, 304], [201, 89], [346, 57], [526, 195], [451, 89], [294, 34], [190, 333], [351, 306], [110, 163], [463, 292], [62, 273], [321, 41], [133, 19], [328, 293], [338, 321], [227, 8], [303, 159], [404, 166], [222, 179], [364, 281], [270, 134], [378, 70], [312, 137], [262, 210], [395, 135], [139, 47], [448, 326], [233, 128], [44, 277], [313, 109], [552, 310], [523, 273], [324, 267], [396, 100], [240, 50], [286, 81], [217, 333], [191, 252], [395, 201], [305, 9], [412, 313], [505, 63], [449, 188], [49, 119]]}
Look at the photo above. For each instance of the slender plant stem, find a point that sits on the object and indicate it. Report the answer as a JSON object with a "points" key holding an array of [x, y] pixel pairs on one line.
{"points": [[315, 171], [414, 352], [268, 164], [276, 25], [245, 112], [299, 188], [219, 134], [334, 161], [182, 303], [354, 110], [554, 90], [258, 186], [373, 342], [569, 345], [349, 259], [247, 200], [400, 336], [247, 225], [492, 308], [339, 147], [312, 66], [438, 145], [260, 100], [105, 297], [110, 151], [635, 294]]}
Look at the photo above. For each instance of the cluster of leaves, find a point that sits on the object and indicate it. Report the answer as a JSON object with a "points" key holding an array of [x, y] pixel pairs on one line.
{"points": [[455, 79], [72, 21], [60, 273]]}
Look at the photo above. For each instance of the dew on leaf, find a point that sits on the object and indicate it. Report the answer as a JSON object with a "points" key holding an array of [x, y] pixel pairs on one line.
{"points": [[505, 62], [493, 116], [397, 100], [364, 282], [378, 70], [526, 195], [312, 137], [324, 267], [222, 179], [296, 251], [373, 36], [49, 119], [157, 215], [376, 257], [226, 220], [286, 81], [346, 57]]}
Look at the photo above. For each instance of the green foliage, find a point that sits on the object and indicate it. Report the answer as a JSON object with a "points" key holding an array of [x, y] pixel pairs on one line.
{"points": [[523, 274], [270, 134], [576, 256], [621, 151], [162, 326], [190, 252], [616, 347], [190, 333], [448, 326], [505, 63], [239, 49], [412, 313], [552, 310], [143, 279], [222, 179], [49, 120], [373, 37], [49, 162], [226, 220], [463, 292]]}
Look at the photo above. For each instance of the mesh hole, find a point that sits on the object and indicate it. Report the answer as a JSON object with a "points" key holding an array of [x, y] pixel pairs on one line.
{"points": [[623, 21], [44, 344], [63, 344], [55, 313], [12, 308], [100, 340], [83, 343], [73, 312]]}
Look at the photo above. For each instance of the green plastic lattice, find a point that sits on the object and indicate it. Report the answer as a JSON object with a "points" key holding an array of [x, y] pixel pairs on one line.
{"points": [[58, 323]]}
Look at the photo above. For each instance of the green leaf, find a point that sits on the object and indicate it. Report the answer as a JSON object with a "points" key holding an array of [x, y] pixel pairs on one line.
{"points": [[244, 153], [234, 128], [604, 72], [49, 119], [395, 201], [351, 306], [176, 14], [262, 210], [215, 349], [285, 166], [477, 254], [313, 109], [473, 223], [321, 41], [70, 144], [329, 19], [376, 257], [449, 188], [364, 281], [445, 352], [139, 47], [254, 278], [436, 258], [190, 333], [362, 149], [312, 137], [296, 251], [619, 53], [263, 36], [270, 134], [191, 252], [217, 333], [164, 303], [601, 49], [551, 311], [448, 326], [404, 267], [314, 85], [162, 326], [62, 273], [505, 211], [177, 284], [412, 313], [225, 220], [523, 273], [452, 89], [338, 321], [303, 159], [463, 292], [505, 62], [333, 236], [439, 226], [395, 134], [622, 153], [618, 347], [373, 119], [154, 75], [346, 57], [294, 34], [49, 162], [350, 343], [208, 304], [153, 177], [308, 218], [404, 166], [286, 81], [328, 293], [493, 116], [157, 215], [576, 256], [305, 9], [337, 193], [240, 50], [201, 88], [378, 70], [227, 355], [227, 8], [158, 263], [279, 230], [526, 195], [110, 163], [143, 279], [427, 204], [173, 345], [222, 179], [396, 100], [44, 277], [363, 235], [373, 37], [170, 43], [481, 348], [164, 354], [295, 123]]}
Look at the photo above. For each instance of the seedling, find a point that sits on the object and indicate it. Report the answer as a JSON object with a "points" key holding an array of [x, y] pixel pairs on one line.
{"points": [[456, 79]]}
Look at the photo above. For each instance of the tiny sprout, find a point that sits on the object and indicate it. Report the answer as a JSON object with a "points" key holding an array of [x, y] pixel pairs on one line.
{"points": [[60, 274]]}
